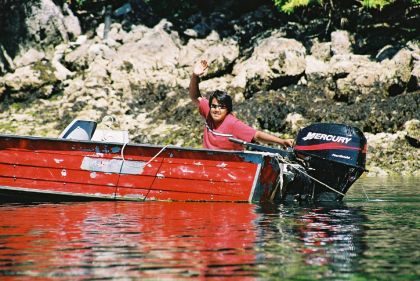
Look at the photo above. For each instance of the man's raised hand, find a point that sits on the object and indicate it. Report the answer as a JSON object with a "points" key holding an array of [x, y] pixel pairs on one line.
{"points": [[200, 67]]}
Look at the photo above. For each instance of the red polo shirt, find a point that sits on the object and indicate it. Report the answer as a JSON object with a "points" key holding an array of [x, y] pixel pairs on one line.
{"points": [[218, 138]]}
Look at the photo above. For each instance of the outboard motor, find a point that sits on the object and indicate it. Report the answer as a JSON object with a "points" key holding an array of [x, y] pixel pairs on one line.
{"points": [[334, 154]]}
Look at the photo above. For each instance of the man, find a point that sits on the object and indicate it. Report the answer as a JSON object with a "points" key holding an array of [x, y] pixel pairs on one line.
{"points": [[220, 122]]}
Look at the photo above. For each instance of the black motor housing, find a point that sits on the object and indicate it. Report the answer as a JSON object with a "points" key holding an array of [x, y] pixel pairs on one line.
{"points": [[335, 154]]}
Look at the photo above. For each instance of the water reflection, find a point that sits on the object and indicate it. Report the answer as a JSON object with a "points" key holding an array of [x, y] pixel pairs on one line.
{"points": [[177, 240], [311, 241], [360, 239], [91, 240]]}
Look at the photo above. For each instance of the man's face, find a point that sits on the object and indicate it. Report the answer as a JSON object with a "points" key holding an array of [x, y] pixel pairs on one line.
{"points": [[217, 111]]}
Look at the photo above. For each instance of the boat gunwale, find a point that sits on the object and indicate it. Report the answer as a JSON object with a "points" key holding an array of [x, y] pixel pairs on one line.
{"points": [[128, 144]]}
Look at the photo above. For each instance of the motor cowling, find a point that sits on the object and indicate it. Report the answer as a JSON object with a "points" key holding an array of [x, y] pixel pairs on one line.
{"points": [[333, 142], [335, 154]]}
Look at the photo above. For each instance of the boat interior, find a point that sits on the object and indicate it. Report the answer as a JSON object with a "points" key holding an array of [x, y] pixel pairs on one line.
{"points": [[87, 130]]}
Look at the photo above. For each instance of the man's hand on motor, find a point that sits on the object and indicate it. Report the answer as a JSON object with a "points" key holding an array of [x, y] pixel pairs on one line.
{"points": [[288, 142]]}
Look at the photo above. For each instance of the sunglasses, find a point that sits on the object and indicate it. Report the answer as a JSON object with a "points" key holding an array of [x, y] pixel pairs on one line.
{"points": [[220, 106]]}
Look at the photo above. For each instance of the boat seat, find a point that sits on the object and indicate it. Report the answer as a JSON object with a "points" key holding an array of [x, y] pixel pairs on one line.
{"points": [[79, 130], [119, 136]]}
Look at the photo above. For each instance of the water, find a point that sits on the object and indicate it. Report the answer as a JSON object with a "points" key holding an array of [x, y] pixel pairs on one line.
{"points": [[361, 239]]}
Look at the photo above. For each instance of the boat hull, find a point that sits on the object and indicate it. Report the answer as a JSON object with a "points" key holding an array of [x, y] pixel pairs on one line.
{"points": [[58, 170]]}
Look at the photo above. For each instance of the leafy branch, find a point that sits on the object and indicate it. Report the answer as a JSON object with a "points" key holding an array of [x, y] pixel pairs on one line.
{"points": [[289, 6]]}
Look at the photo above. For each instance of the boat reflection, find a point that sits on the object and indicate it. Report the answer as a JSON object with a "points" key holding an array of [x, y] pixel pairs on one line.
{"points": [[174, 240], [123, 239]]}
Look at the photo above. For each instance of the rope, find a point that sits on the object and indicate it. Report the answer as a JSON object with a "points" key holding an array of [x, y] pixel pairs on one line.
{"points": [[364, 191], [123, 160], [318, 181], [279, 182], [122, 152], [121, 167], [306, 174], [111, 118], [153, 158], [148, 162]]}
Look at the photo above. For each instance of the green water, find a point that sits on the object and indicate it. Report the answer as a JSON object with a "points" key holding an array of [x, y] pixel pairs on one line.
{"points": [[372, 236]]}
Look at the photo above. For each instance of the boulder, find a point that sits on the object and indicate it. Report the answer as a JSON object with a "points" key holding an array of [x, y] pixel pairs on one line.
{"points": [[220, 54], [357, 76], [352, 75], [398, 72], [45, 24], [412, 127], [156, 50], [61, 72], [414, 83], [316, 69], [390, 154], [295, 121], [275, 62], [29, 57], [6, 62], [71, 22], [341, 42], [361, 81], [321, 50], [36, 79]]}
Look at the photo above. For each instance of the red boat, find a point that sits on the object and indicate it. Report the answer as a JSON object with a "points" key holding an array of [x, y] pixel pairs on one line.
{"points": [[83, 165]]}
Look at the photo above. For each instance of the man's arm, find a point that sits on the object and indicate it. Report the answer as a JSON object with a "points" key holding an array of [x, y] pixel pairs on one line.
{"points": [[194, 91], [268, 138]]}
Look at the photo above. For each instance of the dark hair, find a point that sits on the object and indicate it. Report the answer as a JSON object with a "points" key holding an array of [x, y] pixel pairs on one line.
{"points": [[223, 98]]}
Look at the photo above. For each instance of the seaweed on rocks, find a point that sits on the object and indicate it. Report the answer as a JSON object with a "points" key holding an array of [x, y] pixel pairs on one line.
{"points": [[268, 110], [147, 96], [265, 110]]}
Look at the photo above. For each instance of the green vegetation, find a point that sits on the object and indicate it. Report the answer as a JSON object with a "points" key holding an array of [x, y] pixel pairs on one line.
{"points": [[8, 127], [46, 70], [335, 8], [127, 66], [289, 6], [77, 3], [16, 106]]}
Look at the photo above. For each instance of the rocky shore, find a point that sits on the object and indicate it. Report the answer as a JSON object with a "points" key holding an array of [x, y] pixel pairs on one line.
{"points": [[139, 72]]}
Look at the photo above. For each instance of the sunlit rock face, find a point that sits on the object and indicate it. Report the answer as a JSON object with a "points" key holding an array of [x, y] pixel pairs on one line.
{"points": [[281, 78]]}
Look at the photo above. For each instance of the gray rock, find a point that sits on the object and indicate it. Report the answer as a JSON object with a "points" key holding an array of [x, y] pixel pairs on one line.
{"points": [[29, 57], [142, 78], [412, 127], [341, 42], [316, 69], [48, 20], [6, 62], [61, 72], [36, 79], [71, 22], [321, 50], [274, 58]]}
